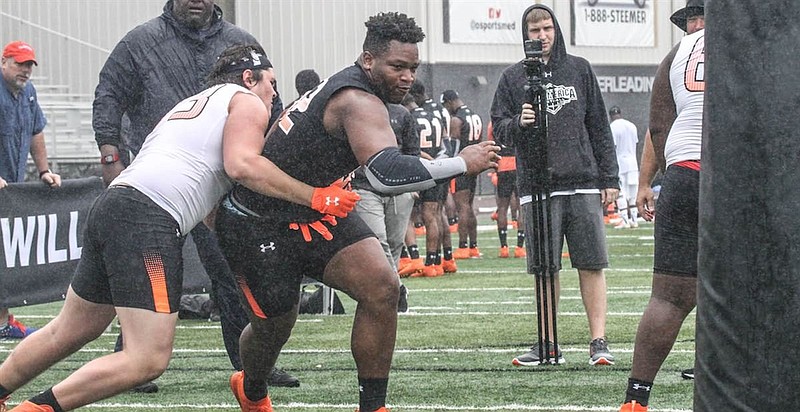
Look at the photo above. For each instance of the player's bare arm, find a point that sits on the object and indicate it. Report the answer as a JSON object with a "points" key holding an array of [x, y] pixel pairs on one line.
{"points": [[242, 143], [662, 108]]}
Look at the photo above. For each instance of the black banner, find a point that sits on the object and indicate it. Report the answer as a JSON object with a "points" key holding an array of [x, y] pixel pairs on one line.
{"points": [[41, 231]]}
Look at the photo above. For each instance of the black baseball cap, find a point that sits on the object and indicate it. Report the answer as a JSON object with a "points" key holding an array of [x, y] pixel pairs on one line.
{"points": [[693, 8]]}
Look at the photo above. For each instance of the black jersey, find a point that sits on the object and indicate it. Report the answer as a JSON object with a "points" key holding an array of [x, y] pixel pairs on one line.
{"points": [[299, 145], [471, 127], [441, 113], [429, 130]]}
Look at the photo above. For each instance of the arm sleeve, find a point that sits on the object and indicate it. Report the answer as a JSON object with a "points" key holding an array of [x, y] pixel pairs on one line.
{"points": [[119, 87], [391, 172]]}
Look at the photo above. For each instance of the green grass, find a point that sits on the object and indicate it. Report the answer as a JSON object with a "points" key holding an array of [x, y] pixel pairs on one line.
{"points": [[454, 348]]}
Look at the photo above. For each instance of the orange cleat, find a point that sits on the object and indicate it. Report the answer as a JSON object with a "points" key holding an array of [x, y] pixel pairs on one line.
{"points": [[503, 252], [29, 406], [237, 387], [419, 231], [404, 261], [515, 224], [461, 253], [439, 270], [414, 266], [633, 406], [474, 253], [428, 271], [382, 409], [519, 252], [449, 266], [494, 215], [454, 228]]}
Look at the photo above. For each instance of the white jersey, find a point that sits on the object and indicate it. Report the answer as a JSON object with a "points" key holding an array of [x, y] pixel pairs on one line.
{"points": [[625, 139], [687, 78], [180, 164]]}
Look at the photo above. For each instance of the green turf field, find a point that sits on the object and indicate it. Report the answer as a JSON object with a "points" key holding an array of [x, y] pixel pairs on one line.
{"points": [[453, 352]]}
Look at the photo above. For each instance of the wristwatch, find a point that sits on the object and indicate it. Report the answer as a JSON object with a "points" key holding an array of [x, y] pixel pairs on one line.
{"points": [[109, 159]]}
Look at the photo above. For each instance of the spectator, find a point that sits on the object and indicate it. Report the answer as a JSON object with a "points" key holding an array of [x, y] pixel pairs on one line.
{"points": [[676, 131], [625, 139], [466, 128], [321, 138], [581, 168], [153, 67], [305, 80], [132, 268], [21, 132]]}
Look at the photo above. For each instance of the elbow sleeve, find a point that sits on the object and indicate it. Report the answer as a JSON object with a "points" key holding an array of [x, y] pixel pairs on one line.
{"points": [[391, 172]]}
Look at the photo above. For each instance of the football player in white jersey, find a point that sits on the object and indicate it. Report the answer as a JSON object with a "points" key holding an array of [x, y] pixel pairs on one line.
{"points": [[676, 120], [131, 265]]}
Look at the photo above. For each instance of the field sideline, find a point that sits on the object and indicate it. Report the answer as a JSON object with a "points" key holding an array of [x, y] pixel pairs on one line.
{"points": [[454, 347]]}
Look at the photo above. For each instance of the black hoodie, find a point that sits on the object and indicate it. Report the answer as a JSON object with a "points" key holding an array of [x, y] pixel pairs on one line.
{"points": [[155, 66], [580, 144]]}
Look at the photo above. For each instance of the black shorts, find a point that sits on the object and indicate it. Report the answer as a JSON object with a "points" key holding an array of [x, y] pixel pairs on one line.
{"points": [[132, 254], [506, 183], [269, 259], [577, 218], [676, 246], [437, 193], [466, 183]]}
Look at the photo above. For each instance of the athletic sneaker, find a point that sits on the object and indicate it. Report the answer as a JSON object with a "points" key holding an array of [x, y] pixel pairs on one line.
{"points": [[503, 252], [622, 225], [449, 266], [419, 231], [494, 215], [519, 252], [15, 329], [29, 406], [428, 271], [454, 228], [633, 406], [415, 266], [599, 353], [461, 253], [532, 358], [439, 270], [382, 409], [147, 387], [402, 304], [237, 387], [279, 377], [474, 253], [403, 262], [687, 373]]}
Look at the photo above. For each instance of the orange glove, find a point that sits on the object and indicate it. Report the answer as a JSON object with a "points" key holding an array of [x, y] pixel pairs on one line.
{"points": [[334, 200], [317, 226]]}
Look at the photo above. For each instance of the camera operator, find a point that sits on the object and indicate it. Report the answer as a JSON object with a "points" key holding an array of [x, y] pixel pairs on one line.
{"points": [[581, 165]]}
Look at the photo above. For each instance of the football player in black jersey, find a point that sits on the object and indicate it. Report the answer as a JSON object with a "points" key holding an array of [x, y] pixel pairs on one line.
{"points": [[271, 244]]}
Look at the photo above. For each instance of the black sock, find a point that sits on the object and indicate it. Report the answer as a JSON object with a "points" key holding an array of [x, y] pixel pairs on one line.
{"points": [[404, 252], [438, 260], [4, 392], [448, 253], [452, 220], [430, 258], [462, 245], [47, 398], [503, 234], [255, 390], [473, 245], [638, 391], [371, 394], [413, 251], [418, 225], [521, 238]]}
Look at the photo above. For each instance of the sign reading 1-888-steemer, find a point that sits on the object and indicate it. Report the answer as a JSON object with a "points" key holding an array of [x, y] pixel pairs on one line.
{"points": [[613, 23]]}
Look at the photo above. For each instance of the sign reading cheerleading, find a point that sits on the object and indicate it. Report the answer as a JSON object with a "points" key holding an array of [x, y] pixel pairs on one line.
{"points": [[484, 22], [613, 23]]}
